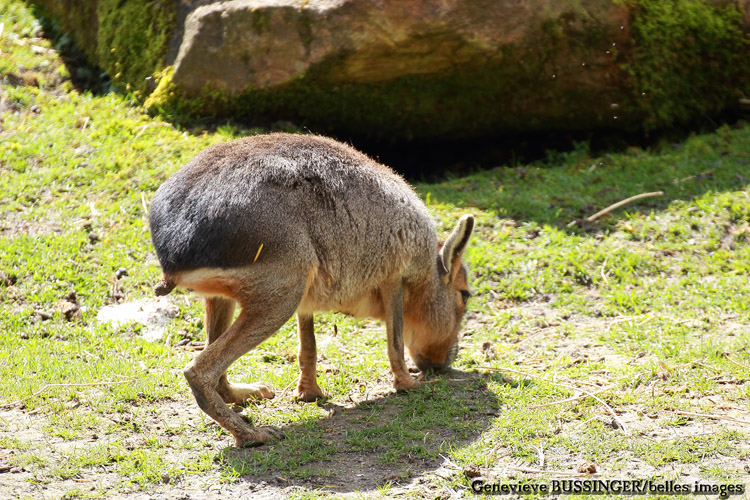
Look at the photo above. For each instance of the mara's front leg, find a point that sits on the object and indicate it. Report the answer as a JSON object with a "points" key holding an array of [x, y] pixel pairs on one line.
{"points": [[393, 303], [307, 388]]}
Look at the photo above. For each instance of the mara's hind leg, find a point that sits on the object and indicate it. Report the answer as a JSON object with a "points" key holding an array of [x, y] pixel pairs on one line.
{"points": [[307, 388], [261, 317], [219, 314]]}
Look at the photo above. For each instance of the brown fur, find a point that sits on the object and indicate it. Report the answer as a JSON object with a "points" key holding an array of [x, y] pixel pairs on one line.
{"points": [[339, 232]]}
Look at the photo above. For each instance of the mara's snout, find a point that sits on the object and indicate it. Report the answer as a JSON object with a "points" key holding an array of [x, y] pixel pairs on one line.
{"points": [[285, 225], [435, 361]]}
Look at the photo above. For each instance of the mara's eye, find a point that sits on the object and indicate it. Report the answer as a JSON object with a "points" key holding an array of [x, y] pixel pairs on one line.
{"points": [[465, 294]]}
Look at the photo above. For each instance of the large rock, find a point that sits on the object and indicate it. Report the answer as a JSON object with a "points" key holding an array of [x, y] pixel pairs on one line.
{"points": [[254, 44], [416, 68], [400, 69]]}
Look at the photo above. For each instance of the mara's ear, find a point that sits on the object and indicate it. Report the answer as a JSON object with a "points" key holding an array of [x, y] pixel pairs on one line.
{"points": [[456, 243]]}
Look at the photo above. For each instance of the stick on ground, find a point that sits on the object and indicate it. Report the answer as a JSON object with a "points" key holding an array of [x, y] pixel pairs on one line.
{"points": [[568, 400], [617, 205], [605, 211]]}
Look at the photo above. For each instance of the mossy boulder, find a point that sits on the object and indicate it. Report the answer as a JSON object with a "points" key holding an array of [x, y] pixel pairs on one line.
{"points": [[128, 39], [390, 69]]}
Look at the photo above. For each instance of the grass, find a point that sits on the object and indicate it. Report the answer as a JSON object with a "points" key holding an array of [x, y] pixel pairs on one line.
{"points": [[647, 308]]}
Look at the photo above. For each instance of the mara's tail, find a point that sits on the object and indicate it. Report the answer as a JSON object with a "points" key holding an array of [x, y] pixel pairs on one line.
{"points": [[165, 286]]}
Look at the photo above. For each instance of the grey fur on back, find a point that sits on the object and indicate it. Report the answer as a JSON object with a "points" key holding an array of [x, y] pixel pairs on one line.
{"points": [[309, 200]]}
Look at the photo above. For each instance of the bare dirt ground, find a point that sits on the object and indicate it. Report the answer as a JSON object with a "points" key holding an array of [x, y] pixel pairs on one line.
{"points": [[352, 472], [346, 472]]}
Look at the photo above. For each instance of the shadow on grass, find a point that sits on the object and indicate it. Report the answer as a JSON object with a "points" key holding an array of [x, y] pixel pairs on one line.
{"points": [[388, 439], [571, 186]]}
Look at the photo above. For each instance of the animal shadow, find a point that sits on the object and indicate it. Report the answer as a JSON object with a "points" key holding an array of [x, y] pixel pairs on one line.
{"points": [[388, 439]]}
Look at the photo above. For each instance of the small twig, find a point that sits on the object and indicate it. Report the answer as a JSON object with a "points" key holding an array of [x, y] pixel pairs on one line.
{"points": [[142, 129], [530, 335], [458, 380], [85, 124], [605, 211], [622, 319], [581, 424], [726, 355], [283, 393], [551, 472], [604, 275], [448, 463], [50, 386], [568, 400], [146, 126], [143, 201], [617, 205], [540, 451], [495, 450], [712, 416], [691, 177], [569, 387], [698, 363]]}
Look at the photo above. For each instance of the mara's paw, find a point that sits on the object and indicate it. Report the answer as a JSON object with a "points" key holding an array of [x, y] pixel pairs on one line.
{"points": [[308, 392], [242, 392], [405, 383], [258, 437]]}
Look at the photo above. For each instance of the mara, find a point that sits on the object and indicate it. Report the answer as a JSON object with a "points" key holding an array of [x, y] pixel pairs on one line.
{"points": [[287, 224]]}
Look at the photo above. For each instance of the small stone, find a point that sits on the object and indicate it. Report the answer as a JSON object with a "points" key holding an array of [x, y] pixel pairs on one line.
{"points": [[7, 280], [44, 315], [587, 469], [67, 308], [489, 351], [121, 272], [472, 471], [150, 84]]}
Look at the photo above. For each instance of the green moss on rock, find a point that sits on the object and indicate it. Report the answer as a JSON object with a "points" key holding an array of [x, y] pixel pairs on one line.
{"points": [[690, 59], [128, 39], [132, 39], [76, 18]]}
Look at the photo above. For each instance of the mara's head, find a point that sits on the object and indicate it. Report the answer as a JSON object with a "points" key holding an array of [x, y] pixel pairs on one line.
{"points": [[435, 324]]}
